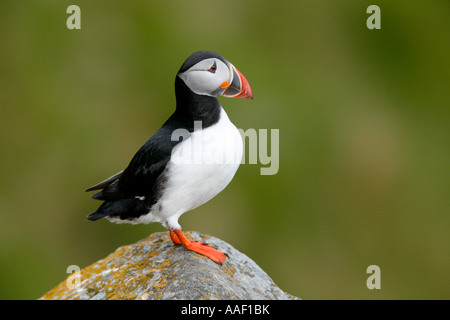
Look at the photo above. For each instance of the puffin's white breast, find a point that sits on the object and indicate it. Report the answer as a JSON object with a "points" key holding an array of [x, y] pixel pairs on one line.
{"points": [[200, 167]]}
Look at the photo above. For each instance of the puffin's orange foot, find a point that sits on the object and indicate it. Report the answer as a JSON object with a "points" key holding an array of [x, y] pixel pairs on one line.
{"points": [[206, 250]]}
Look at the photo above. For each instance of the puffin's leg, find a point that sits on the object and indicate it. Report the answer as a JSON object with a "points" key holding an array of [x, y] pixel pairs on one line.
{"points": [[204, 249], [174, 237]]}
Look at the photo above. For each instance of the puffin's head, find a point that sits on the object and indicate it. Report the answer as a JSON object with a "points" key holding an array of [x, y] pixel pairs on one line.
{"points": [[208, 73]]}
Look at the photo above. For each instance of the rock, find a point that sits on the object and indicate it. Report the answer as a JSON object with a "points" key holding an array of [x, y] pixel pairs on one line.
{"points": [[154, 268]]}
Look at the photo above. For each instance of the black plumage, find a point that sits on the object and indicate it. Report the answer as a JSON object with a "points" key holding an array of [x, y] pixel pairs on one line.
{"points": [[132, 192]]}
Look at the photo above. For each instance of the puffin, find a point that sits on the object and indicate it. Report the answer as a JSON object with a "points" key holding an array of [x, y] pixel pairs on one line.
{"points": [[188, 161]]}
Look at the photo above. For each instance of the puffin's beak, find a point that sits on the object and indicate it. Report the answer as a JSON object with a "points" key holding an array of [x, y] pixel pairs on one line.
{"points": [[238, 86]]}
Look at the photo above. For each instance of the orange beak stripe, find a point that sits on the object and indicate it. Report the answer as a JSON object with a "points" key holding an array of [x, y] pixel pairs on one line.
{"points": [[225, 84], [246, 91]]}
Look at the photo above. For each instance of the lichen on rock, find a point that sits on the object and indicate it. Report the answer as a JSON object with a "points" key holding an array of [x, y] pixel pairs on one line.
{"points": [[154, 269]]}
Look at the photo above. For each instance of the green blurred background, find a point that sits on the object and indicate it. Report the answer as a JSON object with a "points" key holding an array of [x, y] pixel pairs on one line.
{"points": [[364, 136]]}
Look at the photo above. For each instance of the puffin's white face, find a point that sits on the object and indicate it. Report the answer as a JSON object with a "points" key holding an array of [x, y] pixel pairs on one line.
{"points": [[208, 77]]}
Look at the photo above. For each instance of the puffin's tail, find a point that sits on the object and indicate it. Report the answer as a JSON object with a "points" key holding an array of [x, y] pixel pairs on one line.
{"points": [[101, 212], [94, 216], [125, 209]]}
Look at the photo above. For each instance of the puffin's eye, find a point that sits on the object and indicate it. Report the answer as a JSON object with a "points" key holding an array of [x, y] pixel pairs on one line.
{"points": [[213, 68]]}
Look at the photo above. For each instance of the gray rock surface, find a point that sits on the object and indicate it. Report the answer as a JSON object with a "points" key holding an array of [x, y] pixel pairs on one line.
{"points": [[154, 268]]}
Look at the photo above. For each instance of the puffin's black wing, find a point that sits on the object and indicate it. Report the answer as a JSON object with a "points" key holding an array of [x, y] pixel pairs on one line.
{"points": [[131, 193]]}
